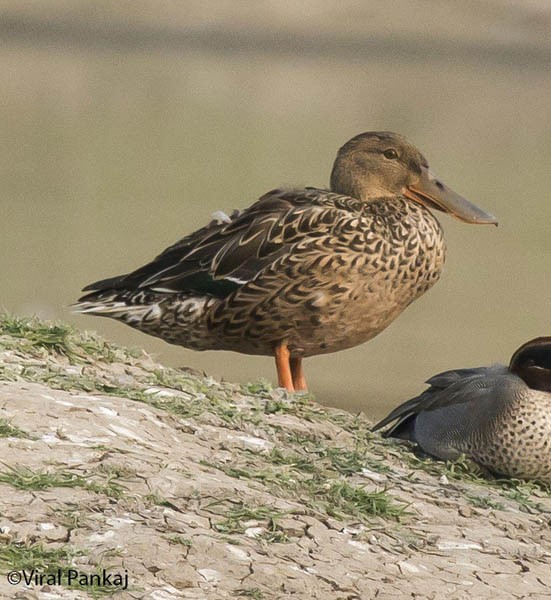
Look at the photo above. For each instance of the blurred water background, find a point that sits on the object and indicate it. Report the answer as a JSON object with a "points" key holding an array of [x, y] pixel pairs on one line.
{"points": [[125, 125]]}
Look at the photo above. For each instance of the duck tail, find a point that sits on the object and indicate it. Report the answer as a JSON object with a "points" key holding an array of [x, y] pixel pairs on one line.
{"points": [[403, 417], [127, 306]]}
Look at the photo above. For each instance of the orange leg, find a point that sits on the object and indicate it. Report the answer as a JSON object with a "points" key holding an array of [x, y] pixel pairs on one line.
{"points": [[299, 380], [284, 377]]}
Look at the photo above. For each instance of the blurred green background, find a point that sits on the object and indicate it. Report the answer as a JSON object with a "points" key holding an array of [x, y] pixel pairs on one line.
{"points": [[125, 125]]}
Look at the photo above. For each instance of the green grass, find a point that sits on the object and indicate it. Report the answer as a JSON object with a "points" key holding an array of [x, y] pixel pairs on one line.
{"points": [[51, 337], [24, 478], [17, 556], [6, 373], [484, 501], [156, 500], [299, 406], [193, 396], [348, 462], [33, 334], [70, 517], [341, 460], [294, 460], [24, 557], [304, 464], [320, 474], [178, 539], [522, 493], [342, 499], [466, 471], [461, 469], [9, 430], [323, 491], [235, 521], [254, 593], [262, 387]]}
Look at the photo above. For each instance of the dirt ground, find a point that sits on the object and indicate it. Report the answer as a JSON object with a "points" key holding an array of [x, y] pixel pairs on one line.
{"points": [[115, 466]]}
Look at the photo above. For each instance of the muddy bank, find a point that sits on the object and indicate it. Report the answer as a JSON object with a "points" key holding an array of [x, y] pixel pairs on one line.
{"points": [[115, 466]]}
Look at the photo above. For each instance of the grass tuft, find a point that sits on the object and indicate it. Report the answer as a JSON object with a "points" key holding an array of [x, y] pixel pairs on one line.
{"points": [[24, 478], [52, 337], [33, 334], [484, 501], [341, 499], [24, 557], [323, 491], [9, 430], [178, 539], [16, 556], [254, 593], [240, 517]]}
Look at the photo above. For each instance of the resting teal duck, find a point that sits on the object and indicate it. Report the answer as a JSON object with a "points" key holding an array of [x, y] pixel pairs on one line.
{"points": [[302, 271], [498, 416]]}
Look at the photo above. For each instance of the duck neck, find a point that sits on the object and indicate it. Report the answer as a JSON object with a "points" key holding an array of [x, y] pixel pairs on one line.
{"points": [[355, 183], [346, 181]]}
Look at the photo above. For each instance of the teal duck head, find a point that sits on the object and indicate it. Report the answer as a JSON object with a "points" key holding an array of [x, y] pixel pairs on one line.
{"points": [[532, 363]]}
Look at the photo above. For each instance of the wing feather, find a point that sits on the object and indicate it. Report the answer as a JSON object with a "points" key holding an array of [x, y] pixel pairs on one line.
{"points": [[447, 389], [231, 251]]}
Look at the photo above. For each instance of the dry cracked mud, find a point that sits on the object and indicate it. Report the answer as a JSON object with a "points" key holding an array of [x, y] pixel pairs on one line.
{"points": [[192, 488]]}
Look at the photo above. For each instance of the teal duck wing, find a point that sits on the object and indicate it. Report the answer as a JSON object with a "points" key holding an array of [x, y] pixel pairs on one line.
{"points": [[445, 389], [457, 403]]}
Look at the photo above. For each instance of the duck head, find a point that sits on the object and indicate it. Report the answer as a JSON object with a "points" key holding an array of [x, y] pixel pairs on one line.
{"points": [[380, 164], [532, 363]]}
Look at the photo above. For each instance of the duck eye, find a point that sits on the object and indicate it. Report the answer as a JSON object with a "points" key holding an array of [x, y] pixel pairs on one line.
{"points": [[391, 154]]}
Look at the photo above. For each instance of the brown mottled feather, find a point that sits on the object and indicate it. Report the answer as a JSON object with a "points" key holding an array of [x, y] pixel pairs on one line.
{"points": [[313, 270]]}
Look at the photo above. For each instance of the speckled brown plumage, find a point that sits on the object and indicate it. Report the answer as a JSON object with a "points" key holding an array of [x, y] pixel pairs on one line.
{"points": [[306, 271], [498, 416]]}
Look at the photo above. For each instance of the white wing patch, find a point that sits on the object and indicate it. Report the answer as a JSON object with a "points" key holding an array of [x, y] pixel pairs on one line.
{"points": [[236, 280], [220, 217]]}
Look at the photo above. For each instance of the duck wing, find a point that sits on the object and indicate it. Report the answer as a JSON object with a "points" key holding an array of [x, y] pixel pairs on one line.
{"points": [[230, 251], [450, 391]]}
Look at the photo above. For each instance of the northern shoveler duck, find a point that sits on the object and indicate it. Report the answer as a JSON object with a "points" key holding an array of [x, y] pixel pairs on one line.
{"points": [[498, 416], [300, 272]]}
